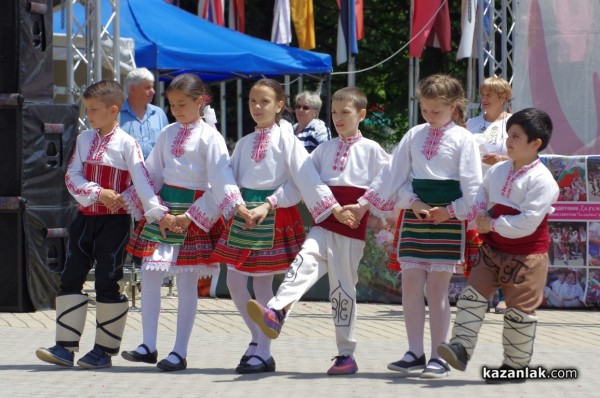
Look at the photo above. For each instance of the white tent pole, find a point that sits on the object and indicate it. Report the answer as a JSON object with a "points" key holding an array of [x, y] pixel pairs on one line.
{"points": [[222, 96], [240, 108]]}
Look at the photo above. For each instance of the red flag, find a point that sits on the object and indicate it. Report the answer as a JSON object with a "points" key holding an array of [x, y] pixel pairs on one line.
{"points": [[237, 18], [211, 10], [431, 25], [360, 25]]}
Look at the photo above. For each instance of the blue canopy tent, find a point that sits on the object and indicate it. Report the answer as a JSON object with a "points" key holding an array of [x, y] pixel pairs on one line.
{"points": [[170, 40]]}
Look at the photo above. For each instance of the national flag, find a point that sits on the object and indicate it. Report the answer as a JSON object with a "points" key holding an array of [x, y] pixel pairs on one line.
{"points": [[212, 10], [348, 29], [468, 21], [281, 33], [236, 15], [431, 26], [304, 23]]}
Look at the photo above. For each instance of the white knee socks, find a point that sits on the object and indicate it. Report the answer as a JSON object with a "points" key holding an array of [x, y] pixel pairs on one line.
{"points": [[151, 283], [187, 305]]}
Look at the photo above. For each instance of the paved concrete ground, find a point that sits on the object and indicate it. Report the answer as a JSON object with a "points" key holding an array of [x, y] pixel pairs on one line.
{"points": [[566, 339]]}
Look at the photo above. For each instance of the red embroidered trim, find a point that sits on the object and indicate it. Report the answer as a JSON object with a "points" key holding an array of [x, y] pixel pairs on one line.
{"points": [[226, 204], [322, 206], [382, 205], [341, 155], [183, 136], [477, 207], [432, 143], [260, 144], [511, 178], [201, 218]]}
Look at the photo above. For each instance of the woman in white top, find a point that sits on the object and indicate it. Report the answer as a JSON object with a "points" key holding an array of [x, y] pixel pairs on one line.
{"points": [[490, 127]]}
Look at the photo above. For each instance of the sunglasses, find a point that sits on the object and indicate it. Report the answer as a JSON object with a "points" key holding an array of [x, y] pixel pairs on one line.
{"points": [[303, 107]]}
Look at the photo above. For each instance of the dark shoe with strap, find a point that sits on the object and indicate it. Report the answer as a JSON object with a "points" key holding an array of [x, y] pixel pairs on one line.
{"points": [[245, 357], [455, 354], [435, 372], [134, 356], [95, 359], [263, 367], [169, 366], [418, 363]]}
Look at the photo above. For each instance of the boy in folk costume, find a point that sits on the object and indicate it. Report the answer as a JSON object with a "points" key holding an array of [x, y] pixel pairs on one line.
{"points": [[347, 164], [511, 210], [106, 161]]}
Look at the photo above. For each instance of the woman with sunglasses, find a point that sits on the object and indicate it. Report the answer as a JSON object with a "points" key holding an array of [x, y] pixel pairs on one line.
{"points": [[309, 129]]}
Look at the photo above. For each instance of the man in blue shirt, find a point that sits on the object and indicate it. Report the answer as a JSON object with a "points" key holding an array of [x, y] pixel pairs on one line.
{"points": [[139, 118]]}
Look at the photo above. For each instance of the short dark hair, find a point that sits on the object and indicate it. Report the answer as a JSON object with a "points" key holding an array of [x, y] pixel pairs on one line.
{"points": [[535, 123], [109, 92]]}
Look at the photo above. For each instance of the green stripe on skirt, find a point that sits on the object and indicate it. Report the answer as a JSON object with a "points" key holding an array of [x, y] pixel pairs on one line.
{"points": [[261, 236]]}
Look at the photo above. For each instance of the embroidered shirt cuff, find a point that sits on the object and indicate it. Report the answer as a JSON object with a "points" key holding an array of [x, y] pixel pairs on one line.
{"points": [[95, 195], [273, 201], [413, 199], [450, 209], [493, 225]]}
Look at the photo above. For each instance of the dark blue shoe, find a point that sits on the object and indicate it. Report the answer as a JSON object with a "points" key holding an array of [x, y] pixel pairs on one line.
{"points": [[95, 359], [57, 355]]}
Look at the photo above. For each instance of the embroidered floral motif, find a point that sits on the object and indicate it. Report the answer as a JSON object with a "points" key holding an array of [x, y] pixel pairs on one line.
{"points": [[261, 143], [322, 206], [183, 136], [432, 143], [96, 154], [382, 205], [228, 203], [201, 218], [512, 177], [477, 207], [341, 155]]}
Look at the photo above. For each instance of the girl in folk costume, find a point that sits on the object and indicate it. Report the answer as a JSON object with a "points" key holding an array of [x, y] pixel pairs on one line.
{"points": [[262, 162], [189, 157], [433, 175]]}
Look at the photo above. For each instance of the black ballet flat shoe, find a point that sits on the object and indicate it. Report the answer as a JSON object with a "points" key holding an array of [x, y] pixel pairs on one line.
{"points": [[245, 357], [134, 356], [263, 367], [169, 366]]}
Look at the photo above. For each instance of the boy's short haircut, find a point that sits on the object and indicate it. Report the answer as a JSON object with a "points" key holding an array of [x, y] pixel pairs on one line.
{"points": [[354, 94], [109, 92], [535, 123]]}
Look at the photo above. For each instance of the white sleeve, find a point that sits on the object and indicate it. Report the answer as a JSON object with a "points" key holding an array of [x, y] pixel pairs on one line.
{"points": [[541, 193], [317, 195], [391, 188], [85, 192], [470, 178]]}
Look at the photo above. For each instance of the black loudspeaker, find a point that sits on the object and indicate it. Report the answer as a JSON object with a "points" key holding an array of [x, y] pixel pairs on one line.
{"points": [[33, 249], [26, 49], [45, 231], [14, 295], [36, 144]]}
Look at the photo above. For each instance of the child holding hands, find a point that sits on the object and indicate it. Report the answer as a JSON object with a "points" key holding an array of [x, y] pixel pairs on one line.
{"points": [[262, 162], [105, 163], [433, 175], [511, 210]]}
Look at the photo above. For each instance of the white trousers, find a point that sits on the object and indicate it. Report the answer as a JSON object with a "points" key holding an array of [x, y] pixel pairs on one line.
{"points": [[324, 252]]}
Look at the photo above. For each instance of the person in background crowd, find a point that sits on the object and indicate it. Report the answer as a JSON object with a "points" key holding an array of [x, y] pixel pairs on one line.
{"points": [[309, 129], [139, 118]]}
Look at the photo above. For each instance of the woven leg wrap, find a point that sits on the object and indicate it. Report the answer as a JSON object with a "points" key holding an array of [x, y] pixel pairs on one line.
{"points": [[471, 309], [71, 310], [518, 337], [110, 325]]}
